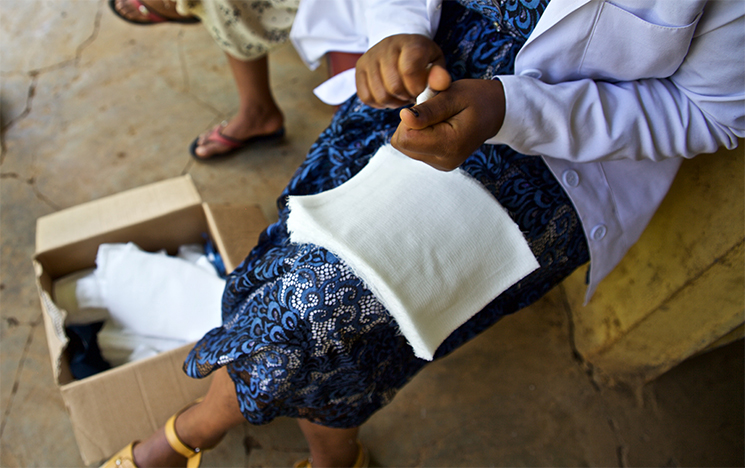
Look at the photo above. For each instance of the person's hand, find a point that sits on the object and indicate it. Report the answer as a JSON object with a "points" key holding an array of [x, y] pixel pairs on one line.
{"points": [[445, 130], [398, 68]]}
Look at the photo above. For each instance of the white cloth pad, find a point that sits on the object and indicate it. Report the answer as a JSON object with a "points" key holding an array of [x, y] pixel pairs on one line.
{"points": [[434, 247]]}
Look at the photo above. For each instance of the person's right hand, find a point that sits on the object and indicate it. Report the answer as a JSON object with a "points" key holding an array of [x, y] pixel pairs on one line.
{"points": [[444, 131], [398, 68]]}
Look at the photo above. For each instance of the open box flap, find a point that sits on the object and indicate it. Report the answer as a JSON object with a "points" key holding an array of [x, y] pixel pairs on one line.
{"points": [[114, 212], [54, 319], [235, 229]]}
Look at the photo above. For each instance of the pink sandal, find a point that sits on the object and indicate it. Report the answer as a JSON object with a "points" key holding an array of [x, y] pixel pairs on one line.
{"points": [[233, 144], [152, 18]]}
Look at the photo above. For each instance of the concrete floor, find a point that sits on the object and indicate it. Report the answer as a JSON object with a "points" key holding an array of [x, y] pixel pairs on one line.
{"points": [[92, 106]]}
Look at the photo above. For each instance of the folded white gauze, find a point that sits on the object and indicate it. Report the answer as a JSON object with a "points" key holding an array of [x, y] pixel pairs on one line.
{"points": [[78, 294], [434, 247], [156, 295]]}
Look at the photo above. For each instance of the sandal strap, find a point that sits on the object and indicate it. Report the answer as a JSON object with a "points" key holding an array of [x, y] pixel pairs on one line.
{"points": [[124, 458], [363, 457], [305, 463], [193, 455], [230, 142]]}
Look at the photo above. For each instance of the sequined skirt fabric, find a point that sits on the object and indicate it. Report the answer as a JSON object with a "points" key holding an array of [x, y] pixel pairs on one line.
{"points": [[302, 335]]}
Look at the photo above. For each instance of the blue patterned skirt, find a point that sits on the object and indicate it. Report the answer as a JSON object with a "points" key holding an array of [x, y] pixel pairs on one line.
{"points": [[302, 336]]}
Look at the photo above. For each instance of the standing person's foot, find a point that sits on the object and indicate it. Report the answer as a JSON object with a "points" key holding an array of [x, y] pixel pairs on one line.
{"points": [[228, 137], [145, 12]]}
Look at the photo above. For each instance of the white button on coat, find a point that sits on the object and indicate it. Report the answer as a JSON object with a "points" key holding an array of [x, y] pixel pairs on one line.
{"points": [[598, 232], [570, 177]]}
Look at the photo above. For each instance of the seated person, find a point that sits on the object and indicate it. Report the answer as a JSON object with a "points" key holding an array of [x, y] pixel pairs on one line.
{"points": [[574, 115]]}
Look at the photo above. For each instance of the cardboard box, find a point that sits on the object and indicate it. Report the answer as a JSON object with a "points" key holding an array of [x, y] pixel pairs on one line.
{"points": [[129, 402]]}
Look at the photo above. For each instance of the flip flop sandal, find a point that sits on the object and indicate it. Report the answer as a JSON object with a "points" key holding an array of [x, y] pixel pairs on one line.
{"points": [[233, 144], [125, 457], [152, 18]]}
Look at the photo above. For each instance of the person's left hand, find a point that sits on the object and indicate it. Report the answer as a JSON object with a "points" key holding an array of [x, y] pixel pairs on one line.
{"points": [[445, 130], [397, 69]]}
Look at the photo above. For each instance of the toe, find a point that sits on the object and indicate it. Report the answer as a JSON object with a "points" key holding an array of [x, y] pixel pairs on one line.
{"points": [[128, 10], [206, 147], [209, 148], [202, 139]]}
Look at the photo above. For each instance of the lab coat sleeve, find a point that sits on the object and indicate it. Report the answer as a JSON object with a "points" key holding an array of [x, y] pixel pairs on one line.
{"points": [[322, 26], [373, 21], [354, 26], [697, 109], [386, 18]]}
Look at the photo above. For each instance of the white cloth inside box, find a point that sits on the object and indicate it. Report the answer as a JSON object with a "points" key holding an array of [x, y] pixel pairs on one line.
{"points": [[150, 302]]}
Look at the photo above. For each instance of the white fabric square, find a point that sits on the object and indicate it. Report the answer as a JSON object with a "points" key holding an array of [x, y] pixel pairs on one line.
{"points": [[434, 247]]}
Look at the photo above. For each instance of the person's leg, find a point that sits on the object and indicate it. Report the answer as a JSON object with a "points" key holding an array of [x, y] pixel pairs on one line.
{"points": [[201, 426], [204, 425], [330, 447], [258, 113]]}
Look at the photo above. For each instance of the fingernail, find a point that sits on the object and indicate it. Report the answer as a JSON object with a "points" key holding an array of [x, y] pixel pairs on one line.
{"points": [[413, 111]]}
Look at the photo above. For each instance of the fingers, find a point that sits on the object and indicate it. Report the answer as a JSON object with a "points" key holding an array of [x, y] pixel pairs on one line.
{"points": [[381, 88], [427, 132], [427, 145], [439, 78], [399, 68], [416, 62], [437, 109], [449, 127]]}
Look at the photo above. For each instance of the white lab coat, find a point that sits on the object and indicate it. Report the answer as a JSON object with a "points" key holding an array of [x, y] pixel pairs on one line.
{"points": [[591, 95]]}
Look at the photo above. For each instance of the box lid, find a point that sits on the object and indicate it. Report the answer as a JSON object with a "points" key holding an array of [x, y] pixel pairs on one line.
{"points": [[114, 212]]}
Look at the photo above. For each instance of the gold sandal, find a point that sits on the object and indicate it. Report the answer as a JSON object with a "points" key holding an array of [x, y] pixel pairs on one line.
{"points": [[125, 457], [363, 459], [193, 455]]}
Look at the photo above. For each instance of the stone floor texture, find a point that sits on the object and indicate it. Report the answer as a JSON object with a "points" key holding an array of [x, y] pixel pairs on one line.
{"points": [[91, 106]]}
